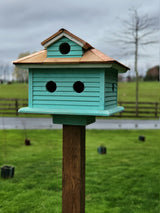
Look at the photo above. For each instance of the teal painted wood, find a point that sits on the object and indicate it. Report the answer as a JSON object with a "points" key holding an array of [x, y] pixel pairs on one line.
{"points": [[111, 78], [102, 86], [36, 94], [66, 85], [87, 112], [30, 89], [54, 52], [65, 97], [99, 97], [73, 119]]}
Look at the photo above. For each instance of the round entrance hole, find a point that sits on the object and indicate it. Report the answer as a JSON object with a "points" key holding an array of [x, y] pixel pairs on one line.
{"points": [[64, 48], [78, 86], [51, 86]]}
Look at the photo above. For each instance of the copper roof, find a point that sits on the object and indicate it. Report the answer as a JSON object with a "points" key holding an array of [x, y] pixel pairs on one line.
{"points": [[91, 55]]}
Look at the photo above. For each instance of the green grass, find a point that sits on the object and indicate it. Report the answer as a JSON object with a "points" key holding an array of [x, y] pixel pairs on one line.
{"points": [[125, 180], [13, 90], [148, 91]]}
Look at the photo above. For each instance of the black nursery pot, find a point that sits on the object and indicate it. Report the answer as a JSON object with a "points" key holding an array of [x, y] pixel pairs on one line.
{"points": [[27, 142], [7, 171], [101, 150], [141, 138]]}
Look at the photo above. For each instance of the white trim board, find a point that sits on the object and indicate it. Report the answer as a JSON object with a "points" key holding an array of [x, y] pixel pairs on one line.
{"points": [[60, 36]]}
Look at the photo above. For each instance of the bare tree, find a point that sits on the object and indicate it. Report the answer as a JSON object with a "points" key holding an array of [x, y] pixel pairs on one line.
{"points": [[137, 32], [4, 72], [19, 73]]}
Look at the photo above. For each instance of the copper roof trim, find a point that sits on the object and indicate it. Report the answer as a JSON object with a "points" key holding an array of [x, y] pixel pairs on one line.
{"points": [[85, 44]]}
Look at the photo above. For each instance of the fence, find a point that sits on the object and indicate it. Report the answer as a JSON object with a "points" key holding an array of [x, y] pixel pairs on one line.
{"points": [[10, 106], [142, 110]]}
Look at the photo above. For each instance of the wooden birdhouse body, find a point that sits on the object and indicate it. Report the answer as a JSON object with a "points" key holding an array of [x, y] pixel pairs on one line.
{"points": [[71, 78], [99, 93]]}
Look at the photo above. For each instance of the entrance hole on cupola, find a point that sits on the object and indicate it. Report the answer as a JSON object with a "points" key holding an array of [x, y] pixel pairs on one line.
{"points": [[64, 48]]}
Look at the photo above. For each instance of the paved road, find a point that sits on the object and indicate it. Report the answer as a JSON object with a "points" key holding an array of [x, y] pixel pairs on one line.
{"points": [[46, 123]]}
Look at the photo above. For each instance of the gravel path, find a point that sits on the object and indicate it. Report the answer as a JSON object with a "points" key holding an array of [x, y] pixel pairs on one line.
{"points": [[46, 123]]}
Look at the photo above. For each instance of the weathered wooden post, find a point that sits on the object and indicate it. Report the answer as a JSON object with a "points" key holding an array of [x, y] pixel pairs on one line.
{"points": [[16, 106], [73, 184], [75, 83]]}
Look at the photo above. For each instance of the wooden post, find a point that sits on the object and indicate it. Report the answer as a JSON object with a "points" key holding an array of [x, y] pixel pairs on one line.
{"points": [[156, 109], [137, 109], [73, 183]]}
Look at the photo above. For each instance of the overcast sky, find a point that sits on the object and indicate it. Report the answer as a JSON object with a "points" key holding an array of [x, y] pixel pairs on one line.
{"points": [[25, 24]]}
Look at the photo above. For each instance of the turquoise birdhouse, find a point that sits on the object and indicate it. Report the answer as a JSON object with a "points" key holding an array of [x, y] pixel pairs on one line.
{"points": [[71, 80]]}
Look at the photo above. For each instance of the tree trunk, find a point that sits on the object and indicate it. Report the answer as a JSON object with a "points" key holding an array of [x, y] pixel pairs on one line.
{"points": [[136, 68]]}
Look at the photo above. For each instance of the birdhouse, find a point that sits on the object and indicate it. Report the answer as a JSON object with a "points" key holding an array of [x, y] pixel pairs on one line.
{"points": [[71, 80]]}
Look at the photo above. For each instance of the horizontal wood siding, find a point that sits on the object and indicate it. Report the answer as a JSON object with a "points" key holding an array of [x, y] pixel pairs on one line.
{"points": [[30, 89], [65, 96], [53, 50], [111, 77]]}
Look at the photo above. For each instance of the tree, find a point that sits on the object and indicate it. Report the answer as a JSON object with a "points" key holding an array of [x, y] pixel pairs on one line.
{"points": [[152, 74], [20, 74], [5, 72], [138, 31]]}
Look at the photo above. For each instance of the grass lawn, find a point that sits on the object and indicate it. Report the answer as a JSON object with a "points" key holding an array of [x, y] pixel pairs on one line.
{"points": [[148, 91], [13, 90], [125, 180]]}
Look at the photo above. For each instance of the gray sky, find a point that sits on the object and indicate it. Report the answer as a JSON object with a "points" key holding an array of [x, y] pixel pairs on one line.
{"points": [[24, 24]]}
